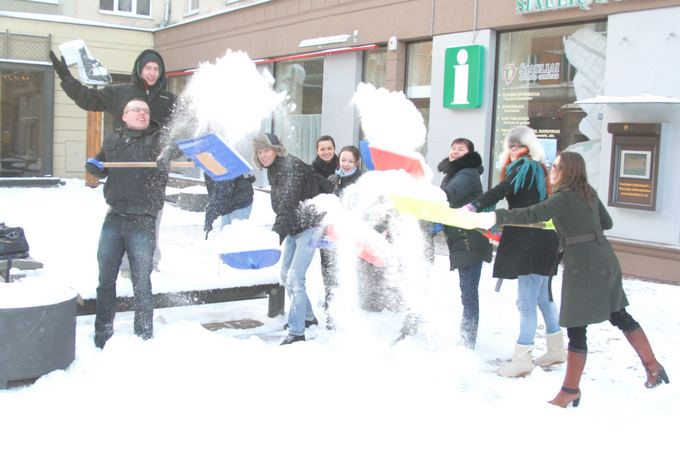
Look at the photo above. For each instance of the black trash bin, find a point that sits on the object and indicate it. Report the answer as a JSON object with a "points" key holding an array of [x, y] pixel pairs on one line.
{"points": [[35, 340]]}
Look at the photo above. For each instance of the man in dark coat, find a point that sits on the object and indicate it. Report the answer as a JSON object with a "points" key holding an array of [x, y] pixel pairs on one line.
{"points": [[292, 182], [147, 82], [135, 196]]}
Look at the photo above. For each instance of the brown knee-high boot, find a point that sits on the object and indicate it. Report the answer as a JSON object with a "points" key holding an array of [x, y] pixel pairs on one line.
{"points": [[570, 391], [655, 372]]}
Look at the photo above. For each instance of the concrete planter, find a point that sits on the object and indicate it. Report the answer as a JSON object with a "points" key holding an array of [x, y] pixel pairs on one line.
{"points": [[35, 340]]}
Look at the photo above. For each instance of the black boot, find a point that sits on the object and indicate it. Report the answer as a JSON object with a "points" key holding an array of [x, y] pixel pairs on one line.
{"points": [[292, 339], [308, 324], [100, 338]]}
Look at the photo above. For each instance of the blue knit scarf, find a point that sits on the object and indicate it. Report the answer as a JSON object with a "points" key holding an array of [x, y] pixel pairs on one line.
{"points": [[341, 173], [537, 176]]}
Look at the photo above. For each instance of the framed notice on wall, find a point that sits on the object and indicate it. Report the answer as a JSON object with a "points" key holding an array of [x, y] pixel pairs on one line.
{"points": [[635, 158], [635, 164]]}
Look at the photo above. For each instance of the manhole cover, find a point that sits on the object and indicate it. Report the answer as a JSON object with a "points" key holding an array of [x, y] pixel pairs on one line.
{"points": [[236, 324]]}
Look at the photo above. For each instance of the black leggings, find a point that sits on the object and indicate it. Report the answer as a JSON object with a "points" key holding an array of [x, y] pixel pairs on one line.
{"points": [[620, 319]]}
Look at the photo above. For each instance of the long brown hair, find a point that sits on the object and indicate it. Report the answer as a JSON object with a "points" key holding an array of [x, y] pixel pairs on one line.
{"points": [[573, 176]]}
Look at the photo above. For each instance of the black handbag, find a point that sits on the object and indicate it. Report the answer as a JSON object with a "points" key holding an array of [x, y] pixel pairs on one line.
{"points": [[13, 243]]}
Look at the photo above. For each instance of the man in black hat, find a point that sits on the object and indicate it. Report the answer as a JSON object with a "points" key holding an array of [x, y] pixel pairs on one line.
{"points": [[147, 82]]}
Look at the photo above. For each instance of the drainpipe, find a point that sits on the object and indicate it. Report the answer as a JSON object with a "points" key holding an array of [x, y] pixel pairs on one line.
{"points": [[474, 23], [166, 13]]}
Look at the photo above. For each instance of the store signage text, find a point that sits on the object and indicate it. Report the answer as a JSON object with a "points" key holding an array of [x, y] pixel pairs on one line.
{"points": [[539, 71], [541, 6]]}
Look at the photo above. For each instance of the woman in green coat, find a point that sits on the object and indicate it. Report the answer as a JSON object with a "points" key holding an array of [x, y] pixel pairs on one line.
{"points": [[592, 289]]}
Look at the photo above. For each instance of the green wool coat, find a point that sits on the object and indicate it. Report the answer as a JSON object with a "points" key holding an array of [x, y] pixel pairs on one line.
{"points": [[591, 280]]}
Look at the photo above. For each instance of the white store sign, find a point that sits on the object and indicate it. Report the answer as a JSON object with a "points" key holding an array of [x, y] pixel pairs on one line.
{"points": [[541, 6]]}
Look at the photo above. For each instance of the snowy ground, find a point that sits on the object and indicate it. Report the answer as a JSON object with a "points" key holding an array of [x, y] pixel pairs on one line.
{"points": [[191, 389]]}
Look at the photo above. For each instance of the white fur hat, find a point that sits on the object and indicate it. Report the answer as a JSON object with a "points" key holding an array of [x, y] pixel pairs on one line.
{"points": [[526, 136]]}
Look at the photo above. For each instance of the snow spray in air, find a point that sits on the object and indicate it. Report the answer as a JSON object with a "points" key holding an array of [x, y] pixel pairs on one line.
{"points": [[230, 97], [392, 122]]}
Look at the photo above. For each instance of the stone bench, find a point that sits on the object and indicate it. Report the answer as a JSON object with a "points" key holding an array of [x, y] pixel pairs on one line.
{"points": [[24, 264], [274, 292]]}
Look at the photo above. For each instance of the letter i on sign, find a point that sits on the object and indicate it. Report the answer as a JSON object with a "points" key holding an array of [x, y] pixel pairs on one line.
{"points": [[461, 74], [463, 77]]}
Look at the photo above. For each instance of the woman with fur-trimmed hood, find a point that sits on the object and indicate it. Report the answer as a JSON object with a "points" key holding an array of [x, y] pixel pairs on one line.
{"points": [[292, 182], [468, 249], [526, 254]]}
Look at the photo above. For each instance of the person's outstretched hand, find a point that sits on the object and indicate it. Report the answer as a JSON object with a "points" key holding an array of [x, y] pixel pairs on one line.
{"points": [[485, 220], [59, 65]]}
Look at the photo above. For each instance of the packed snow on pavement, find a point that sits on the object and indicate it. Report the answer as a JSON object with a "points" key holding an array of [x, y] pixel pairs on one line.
{"points": [[189, 388]]}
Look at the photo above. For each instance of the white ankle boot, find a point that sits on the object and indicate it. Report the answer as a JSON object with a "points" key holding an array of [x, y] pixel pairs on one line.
{"points": [[555, 353], [520, 365]]}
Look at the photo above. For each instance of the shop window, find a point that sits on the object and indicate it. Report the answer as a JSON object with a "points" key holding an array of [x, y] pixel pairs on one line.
{"points": [[126, 7], [298, 125], [374, 67], [418, 77], [22, 123], [540, 74]]}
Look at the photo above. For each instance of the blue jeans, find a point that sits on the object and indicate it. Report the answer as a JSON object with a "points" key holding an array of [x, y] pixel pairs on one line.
{"points": [[236, 214], [533, 292], [469, 291], [125, 264], [295, 260], [134, 234]]}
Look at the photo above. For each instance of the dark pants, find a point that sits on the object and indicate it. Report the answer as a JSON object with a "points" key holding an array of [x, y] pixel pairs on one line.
{"points": [[134, 234], [469, 290], [620, 319], [328, 271]]}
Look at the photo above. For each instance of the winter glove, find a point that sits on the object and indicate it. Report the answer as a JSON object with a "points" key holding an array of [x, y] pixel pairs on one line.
{"points": [[249, 178], [94, 166], [60, 66], [485, 220], [435, 228], [163, 162], [207, 227]]}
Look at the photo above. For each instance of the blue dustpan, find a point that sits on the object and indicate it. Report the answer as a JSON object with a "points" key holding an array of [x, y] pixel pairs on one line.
{"points": [[251, 259]]}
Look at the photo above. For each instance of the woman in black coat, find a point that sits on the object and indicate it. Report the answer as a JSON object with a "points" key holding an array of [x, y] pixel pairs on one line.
{"points": [[592, 289], [326, 161], [526, 254], [468, 249]]}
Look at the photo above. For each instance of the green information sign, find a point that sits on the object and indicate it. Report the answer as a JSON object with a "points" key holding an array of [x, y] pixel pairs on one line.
{"points": [[463, 77]]}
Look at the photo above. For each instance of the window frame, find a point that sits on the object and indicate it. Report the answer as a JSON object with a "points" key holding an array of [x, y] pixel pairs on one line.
{"points": [[116, 12]]}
